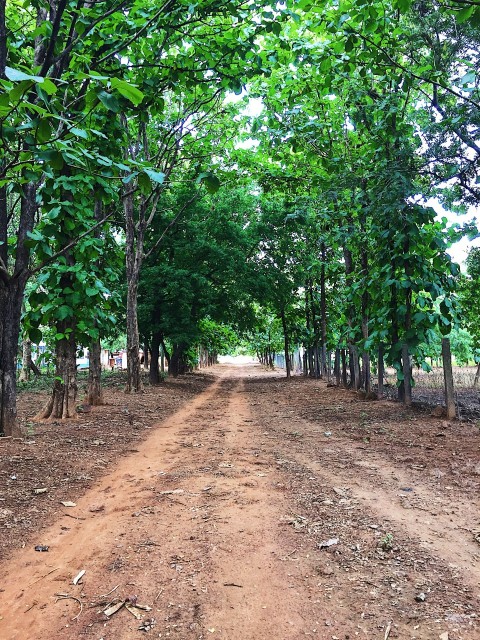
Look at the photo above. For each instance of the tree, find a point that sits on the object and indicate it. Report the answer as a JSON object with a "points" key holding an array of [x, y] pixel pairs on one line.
{"points": [[468, 294]]}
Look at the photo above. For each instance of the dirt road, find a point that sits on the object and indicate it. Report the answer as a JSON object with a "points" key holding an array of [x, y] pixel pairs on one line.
{"points": [[266, 509]]}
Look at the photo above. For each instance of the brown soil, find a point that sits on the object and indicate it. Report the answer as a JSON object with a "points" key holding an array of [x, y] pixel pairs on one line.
{"points": [[209, 500]]}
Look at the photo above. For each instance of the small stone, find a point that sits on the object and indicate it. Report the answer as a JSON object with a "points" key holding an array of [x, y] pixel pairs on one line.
{"points": [[420, 597]]}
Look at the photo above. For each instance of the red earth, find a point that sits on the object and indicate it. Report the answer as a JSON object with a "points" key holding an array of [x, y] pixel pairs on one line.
{"points": [[239, 505]]}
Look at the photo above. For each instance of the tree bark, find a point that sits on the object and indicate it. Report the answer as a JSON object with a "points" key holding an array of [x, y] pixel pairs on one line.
{"points": [[354, 367], [94, 387], [133, 259], [323, 311], [344, 368], [61, 404], [337, 367], [26, 360], [12, 289], [154, 372], [448, 378], [145, 356], [286, 343], [381, 372], [177, 365], [407, 376], [477, 376]]}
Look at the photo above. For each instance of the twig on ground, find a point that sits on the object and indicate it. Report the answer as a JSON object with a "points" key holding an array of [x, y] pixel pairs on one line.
{"points": [[44, 576], [67, 596]]}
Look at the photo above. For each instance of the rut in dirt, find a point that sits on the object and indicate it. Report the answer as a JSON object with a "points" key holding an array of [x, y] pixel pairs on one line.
{"points": [[219, 522]]}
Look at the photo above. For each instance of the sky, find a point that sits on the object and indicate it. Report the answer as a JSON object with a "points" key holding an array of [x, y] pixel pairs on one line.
{"points": [[458, 251]]}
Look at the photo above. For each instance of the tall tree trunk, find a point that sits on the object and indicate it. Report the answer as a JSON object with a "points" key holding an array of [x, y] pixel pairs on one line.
{"points": [[343, 357], [145, 355], [11, 300], [396, 338], [407, 376], [12, 289], [94, 386], [286, 343], [154, 373], [177, 362], [318, 361], [381, 372], [323, 310], [133, 258], [61, 404], [477, 376], [448, 378], [338, 367], [162, 359], [354, 367], [309, 311], [26, 360]]}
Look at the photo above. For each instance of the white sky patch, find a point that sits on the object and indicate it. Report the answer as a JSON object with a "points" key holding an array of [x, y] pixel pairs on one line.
{"points": [[458, 251]]}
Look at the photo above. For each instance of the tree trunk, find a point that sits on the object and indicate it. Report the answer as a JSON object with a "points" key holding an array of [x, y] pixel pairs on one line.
{"points": [[343, 356], [62, 401], [94, 387], [177, 363], [407, 376], [286, 343], [154, 374], [318, 361], [323, 311], [366, 375], [477, 376], [381, 372], [448, 378], [134, 239], [365, 301], [26, 360], [12, 290], [354, 367], [11, 300], [145, 356], [338, 367]]}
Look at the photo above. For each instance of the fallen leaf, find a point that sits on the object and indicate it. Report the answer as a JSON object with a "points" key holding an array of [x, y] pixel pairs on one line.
{"points": [[135, 611], [67, 503], [113, 608]]}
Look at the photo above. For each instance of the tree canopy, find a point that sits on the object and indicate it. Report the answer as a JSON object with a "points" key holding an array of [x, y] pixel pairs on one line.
{"points": [[127, 130]]}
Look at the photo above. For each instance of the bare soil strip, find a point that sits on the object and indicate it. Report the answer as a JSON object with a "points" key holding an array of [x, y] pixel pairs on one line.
{"points": [[223, 520]]}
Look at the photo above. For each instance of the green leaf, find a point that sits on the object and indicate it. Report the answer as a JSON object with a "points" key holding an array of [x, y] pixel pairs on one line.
{"points": [[127, 91], [17, 76], [109, 101], [156, 176], [464, 14], [212, 183], [79, 132], [35, 335], [64, 312], [49, 87], [52, 157], [44, 131], [144, 183], [91, 291]]}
